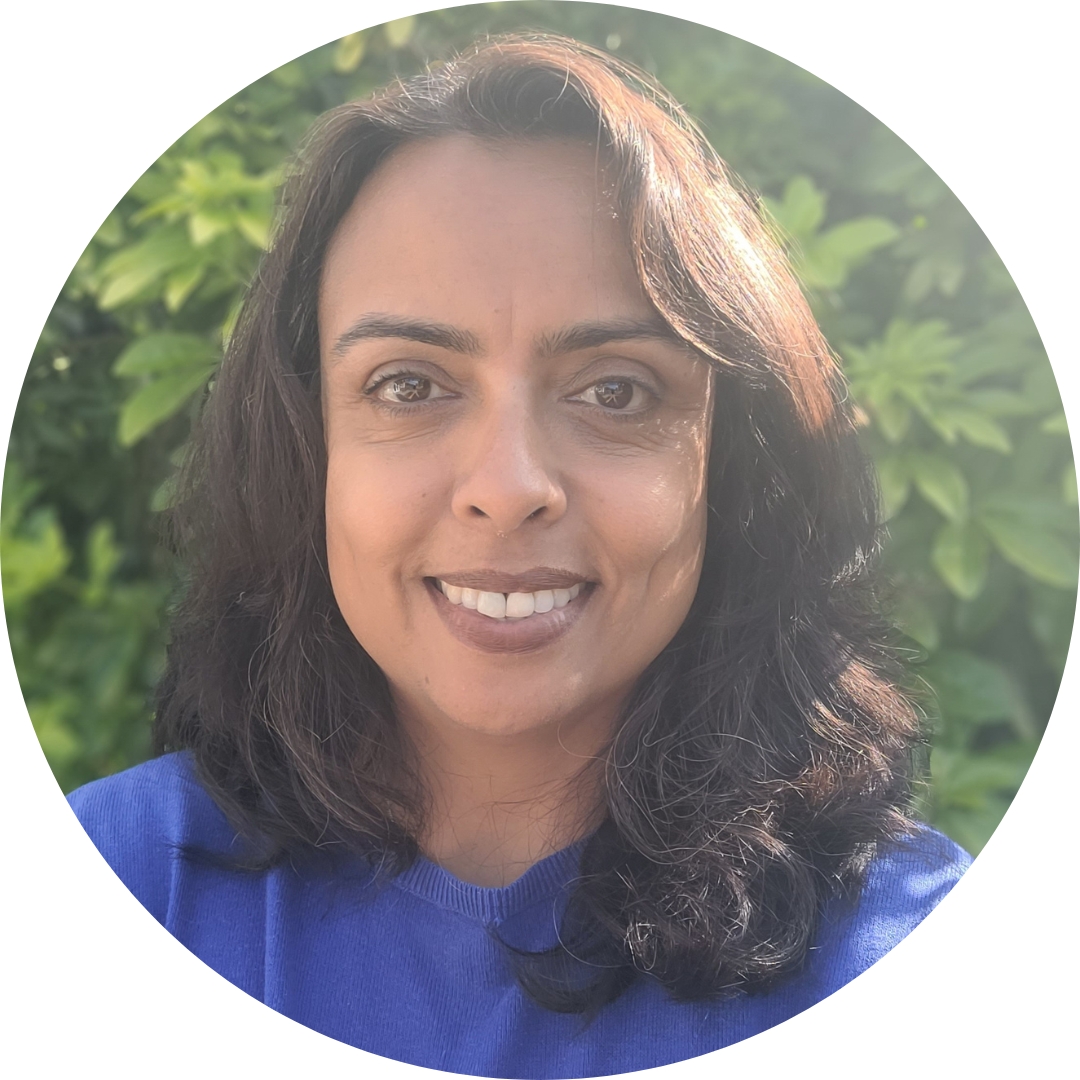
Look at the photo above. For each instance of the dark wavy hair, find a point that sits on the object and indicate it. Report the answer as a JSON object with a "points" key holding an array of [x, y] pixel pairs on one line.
{"points": [[763, 754]]}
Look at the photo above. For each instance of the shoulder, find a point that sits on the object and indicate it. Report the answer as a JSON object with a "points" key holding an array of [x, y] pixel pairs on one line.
{"points": [[908, 878], [919, 868], [144, 818], [905, 881]]}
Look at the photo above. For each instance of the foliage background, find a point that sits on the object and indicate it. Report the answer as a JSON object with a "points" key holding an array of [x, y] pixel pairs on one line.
{"points": [[957, 399]]}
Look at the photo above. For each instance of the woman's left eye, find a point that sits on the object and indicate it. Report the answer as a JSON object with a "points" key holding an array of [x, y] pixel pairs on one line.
{"points": [[616, 395]]}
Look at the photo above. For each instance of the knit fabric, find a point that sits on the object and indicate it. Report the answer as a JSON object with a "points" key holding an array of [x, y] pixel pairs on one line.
{"points": [[410, 968]]}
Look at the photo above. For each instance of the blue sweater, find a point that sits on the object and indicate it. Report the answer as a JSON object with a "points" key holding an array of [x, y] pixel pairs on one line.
{"points": [[409, 968]]}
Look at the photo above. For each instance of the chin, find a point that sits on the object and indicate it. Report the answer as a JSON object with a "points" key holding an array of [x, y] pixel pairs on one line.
{"points": [[500, 715], [506, 705]]}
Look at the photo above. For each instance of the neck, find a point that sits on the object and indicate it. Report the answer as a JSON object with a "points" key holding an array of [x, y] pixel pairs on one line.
{"points": [[502, 802]]}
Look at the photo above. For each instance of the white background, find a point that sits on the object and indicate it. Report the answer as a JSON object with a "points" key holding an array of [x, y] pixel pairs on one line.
{"points": [[93, 93]]}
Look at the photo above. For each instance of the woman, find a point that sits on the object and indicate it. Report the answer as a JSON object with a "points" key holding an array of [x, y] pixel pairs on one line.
{"points": [[526, 712]]}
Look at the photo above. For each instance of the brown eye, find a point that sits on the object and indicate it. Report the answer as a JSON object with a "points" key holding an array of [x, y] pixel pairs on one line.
{"points": [[614, 393], [409, 388], [406, 388], [617, 395]]}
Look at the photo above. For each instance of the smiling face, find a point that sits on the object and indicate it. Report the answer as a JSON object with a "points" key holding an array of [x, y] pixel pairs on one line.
{"points": [[516, 444]]}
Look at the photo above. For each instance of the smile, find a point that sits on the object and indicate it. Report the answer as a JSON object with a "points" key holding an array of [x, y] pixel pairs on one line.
{"points": [[518, 620], [515, 605]]}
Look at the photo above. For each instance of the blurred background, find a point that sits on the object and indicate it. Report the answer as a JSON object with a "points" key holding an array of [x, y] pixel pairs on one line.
{"points": [[955, 395]]}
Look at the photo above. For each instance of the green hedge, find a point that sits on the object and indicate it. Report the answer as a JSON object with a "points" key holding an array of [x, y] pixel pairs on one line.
{"points": [[956, 398]]}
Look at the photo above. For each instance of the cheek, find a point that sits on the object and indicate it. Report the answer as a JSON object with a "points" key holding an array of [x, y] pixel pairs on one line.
{"points": [[652, 517], [378, 516]]}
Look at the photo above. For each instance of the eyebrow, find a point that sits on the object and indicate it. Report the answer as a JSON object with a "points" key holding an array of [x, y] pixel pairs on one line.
{"points": [[580, 336], [591, 335], [397, 326]]}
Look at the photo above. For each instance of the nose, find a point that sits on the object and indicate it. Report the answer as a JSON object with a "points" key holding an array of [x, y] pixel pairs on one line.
{"points": [[507, 475]]}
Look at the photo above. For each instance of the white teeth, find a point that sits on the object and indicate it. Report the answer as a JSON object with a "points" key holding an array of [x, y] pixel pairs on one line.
{"points": [[520, 605], [491, 604], [517, 605]]}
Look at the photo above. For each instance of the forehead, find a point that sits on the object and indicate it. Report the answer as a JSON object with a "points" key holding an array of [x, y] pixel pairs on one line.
{"points": [[457, 228], [460, 171]]}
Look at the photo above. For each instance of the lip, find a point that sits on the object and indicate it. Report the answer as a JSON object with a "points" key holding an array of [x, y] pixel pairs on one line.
{"points": [[509, 635], [535, 580]]}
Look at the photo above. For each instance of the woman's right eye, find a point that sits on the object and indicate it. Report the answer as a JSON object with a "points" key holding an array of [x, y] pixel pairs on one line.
{"points": [[404, 389]]}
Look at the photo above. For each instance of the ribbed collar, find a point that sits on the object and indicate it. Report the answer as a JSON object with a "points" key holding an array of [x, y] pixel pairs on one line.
{"points": [[546, 879]]}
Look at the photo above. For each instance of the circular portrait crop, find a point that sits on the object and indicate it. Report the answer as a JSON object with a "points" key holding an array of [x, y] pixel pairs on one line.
{"points": [[539, 540]]}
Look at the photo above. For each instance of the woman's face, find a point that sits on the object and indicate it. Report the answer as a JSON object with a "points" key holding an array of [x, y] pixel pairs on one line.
{"points": [[517, 445]]}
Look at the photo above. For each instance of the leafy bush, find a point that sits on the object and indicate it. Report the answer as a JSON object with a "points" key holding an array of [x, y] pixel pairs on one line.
{"points": [[956, 398]]}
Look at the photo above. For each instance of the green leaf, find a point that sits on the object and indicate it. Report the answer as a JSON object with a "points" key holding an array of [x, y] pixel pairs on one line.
{"points": [[155, 183], [1050, 616], [971, 778], [907, 368], [1056, 425], [134, 269], [399, 32], [102, 558], [1040, 387], [941, 270], [206, 224], [157, 401], [971, 689], [920, 279], [910, 352], [855, 239], [164, 497], [349, 52], [971, 792], [913, 616], [971, 829], [291, 76], [992, 401], [111, 232], [827, 261], [978, 428], [941, 421], [181, 284], [52, 727], [894, 480], [1041, 509], [941, 483], [1036, 550], [973, 619], [255, 228], [165, 352], [961, 555], [231, 318], [893, 419], [102, 555], [801, 210], [33, 555], [1068, 485]]}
